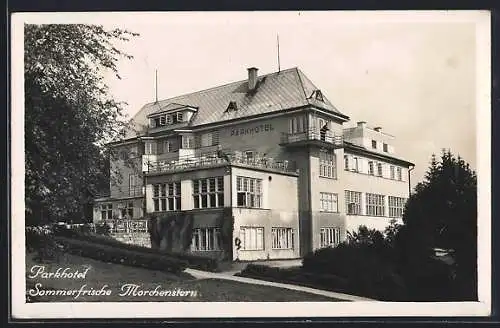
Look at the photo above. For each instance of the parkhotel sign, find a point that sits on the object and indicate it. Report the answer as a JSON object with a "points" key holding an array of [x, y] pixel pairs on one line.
{"points": [[252, 130]]}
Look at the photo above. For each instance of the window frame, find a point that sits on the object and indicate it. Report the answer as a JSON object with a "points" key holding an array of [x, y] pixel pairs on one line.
{"points": [[242, 236], [206, 239], [375, 204], [329, 237], [353, 197], [327, 164], [252, 198], [277, 241], [199, 195], [331, 199], [167, 197]]}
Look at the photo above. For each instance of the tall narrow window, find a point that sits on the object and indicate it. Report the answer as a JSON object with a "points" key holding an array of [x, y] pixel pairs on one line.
{"points": [[353, 202], [375, 205], [385, 147], [392, 172], [133, 182], [374, 144], [327, 166], [400, 174], [371, 170], [187, 142], [379, 169], [346, 162]]}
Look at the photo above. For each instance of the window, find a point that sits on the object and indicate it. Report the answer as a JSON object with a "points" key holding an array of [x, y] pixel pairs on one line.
{"points": [[107, 211], [385, 147], [283, 238], [353, 202], [150, 148], [249, 192], [375, 205], [206, 239], [379, 169], [393, 175], [374, 144], [133, 180], [187, 142], [232, 106], [180, 117], [167, 146], [319, 95], [162, 120], [371, 170], [155, 122], [329, 237], [328, 202], [297, 125], [346, 162], [249, 156], [128, 211], [355, 167], [208, 193], [400, 174], [167, 196], [327, 164], [252, 238], [169, 119], [396, 206]]}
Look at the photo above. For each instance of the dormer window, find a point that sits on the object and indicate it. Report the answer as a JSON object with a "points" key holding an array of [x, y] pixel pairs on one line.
{"points": [[162, 120], [232, 106], [169, 119], [180, 117], [319, 95], [171, 114]]}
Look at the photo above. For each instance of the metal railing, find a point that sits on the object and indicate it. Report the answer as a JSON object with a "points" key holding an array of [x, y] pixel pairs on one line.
{"points": [[312, 134], [222, 157]]}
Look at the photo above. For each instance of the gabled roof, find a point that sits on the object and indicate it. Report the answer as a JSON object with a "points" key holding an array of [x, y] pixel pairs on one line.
{"points": [[274, 92]]}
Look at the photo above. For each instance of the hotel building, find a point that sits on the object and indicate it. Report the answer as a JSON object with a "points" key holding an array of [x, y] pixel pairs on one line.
{"points": [[271, 154]]}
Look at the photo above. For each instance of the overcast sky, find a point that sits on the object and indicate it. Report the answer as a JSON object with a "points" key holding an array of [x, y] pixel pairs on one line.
{"points": [[413, 75]]}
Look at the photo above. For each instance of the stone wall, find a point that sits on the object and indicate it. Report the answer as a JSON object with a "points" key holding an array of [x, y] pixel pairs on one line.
{"points": [[134, 238]]}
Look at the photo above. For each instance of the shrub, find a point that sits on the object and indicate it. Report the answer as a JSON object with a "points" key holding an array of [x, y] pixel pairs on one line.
{"points": [[123, 256], [367, 271]]}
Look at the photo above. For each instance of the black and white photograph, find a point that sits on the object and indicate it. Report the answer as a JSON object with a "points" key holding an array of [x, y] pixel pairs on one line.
{"points": [[283, 164]]}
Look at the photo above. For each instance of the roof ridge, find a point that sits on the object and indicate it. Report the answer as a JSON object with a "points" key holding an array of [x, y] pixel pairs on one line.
{"points": [[216, 87]]}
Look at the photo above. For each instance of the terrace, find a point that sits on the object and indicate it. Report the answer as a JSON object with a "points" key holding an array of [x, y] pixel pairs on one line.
{"points": [[221, 158]]}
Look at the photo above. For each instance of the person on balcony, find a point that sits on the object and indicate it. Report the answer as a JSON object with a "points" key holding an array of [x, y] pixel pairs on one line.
{"points": [[323, 131], [221, 154]]}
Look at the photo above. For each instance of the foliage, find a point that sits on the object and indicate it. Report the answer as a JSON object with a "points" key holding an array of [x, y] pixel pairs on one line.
{"points": [[68, 116], [120, 255], [442, 213]]}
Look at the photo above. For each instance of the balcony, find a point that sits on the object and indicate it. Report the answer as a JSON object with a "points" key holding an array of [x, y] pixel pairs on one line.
{"points": [[215, 159], [312, 137], [132, 192]]}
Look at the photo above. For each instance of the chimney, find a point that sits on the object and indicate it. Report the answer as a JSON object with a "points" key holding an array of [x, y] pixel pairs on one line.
{"points": [[252, 78], [361, 124], [378, 129]]}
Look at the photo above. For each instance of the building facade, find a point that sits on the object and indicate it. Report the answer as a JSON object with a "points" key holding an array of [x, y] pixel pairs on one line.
{"points": [[271, 154]]}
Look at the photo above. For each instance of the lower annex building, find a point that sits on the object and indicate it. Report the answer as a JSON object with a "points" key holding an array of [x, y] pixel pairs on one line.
{"points": [[269, 157]]}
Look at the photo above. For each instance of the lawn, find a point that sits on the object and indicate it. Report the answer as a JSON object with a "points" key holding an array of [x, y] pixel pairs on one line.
{"points": [[114, 276]]}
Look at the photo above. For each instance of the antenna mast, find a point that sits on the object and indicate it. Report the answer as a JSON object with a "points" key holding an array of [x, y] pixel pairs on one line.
{"points": [[278, 40], [156, 85]]}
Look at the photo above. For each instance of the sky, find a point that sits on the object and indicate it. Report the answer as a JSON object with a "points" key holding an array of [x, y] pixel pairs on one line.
{"points": [[412, 74]]}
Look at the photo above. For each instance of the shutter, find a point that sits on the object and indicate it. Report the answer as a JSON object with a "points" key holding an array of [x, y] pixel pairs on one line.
{"points": [[215, 138], [159, 148], [197, 141]]}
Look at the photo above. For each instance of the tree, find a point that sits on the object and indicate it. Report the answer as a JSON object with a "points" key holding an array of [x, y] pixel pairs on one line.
{"points": [[69, 115], [442, 213]]}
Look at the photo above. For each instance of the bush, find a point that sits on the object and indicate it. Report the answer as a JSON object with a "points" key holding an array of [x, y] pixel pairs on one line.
{"points": [[40, 239], [123, 256], [367, 271]]}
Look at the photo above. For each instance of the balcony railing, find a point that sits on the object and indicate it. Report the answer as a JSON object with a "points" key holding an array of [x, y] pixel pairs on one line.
{"points": [[222, 158], [126, 193], [312, 135]]}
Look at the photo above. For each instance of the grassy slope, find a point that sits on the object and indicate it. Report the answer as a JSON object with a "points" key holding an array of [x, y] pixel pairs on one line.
{"points": [[115, 276]]}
